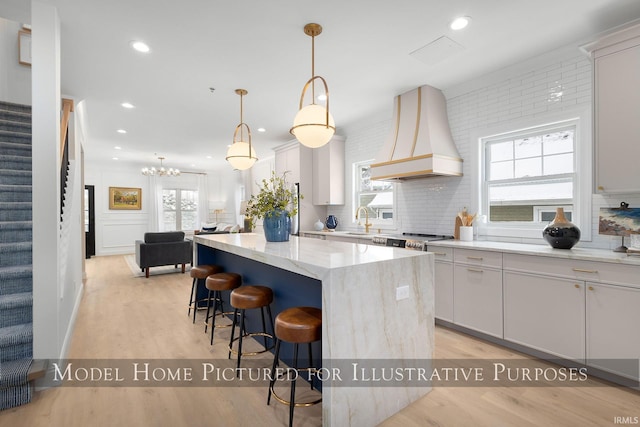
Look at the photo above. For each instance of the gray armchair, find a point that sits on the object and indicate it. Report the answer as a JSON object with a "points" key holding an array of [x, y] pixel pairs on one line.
{"points": [[163, 248]]}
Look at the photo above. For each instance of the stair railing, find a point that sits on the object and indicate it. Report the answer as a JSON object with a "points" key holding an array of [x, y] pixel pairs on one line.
{"points": [[67, 109]]}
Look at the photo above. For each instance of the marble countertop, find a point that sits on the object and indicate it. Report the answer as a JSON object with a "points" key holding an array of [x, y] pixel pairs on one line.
{"points": [[586, 254], [302, 253], [350, 234]]}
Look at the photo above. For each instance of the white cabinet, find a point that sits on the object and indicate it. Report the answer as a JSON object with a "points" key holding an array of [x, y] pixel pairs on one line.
{"points": [[477, 290], [613, 318], [328, 173], [443, 285], [288, 160], [617, 103], [545, 313]]}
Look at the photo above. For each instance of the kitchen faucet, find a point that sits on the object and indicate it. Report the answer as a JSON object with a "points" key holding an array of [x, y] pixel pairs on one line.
{"points": [[366, 221]]}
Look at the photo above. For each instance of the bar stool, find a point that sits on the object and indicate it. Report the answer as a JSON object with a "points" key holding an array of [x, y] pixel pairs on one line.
{"points": [[296, 325], [199, 273], [246, 298], [217, 283]]}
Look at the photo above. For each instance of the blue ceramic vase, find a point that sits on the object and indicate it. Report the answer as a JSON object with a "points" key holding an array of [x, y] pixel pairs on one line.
{"points": [[277, 226], [332, 222]]}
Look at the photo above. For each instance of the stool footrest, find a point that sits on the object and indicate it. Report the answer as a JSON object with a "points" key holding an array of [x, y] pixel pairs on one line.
{"points": [[226, 313], [297, 404], [251, 335]]}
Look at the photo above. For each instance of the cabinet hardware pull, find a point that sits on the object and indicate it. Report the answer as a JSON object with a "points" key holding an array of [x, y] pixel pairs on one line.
{"points": [[581, 270], [577, 286], [475, 270], [590, 288], [600, 188], [477, 258], [440, 253]]}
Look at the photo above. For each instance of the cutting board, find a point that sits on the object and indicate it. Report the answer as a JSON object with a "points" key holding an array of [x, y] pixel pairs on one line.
{"points": [[456, 230]]}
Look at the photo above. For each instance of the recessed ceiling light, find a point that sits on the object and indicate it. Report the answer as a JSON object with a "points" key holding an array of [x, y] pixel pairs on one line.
{"points": [[127, 105], [209, 157], [322, 97], [121, 131], [140, 46], [114, 158], [262, 130], [192, 165], [460, 22], [117, 148]]}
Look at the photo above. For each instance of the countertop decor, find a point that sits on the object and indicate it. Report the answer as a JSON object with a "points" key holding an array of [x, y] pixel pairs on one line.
{"points": [[274, 200]]}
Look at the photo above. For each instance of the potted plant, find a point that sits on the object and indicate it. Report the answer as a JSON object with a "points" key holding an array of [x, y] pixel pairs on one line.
{"points": [[276, 203]]}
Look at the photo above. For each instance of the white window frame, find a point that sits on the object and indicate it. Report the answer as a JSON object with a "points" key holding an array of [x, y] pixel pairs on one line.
{"points": [[583, 183], [178, 211], [376, 223]]}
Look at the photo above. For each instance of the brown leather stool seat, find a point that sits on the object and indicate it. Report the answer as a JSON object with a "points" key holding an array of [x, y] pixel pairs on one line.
{"points": [[216, 283], [246, 298], [199, 273], [297, 325]]}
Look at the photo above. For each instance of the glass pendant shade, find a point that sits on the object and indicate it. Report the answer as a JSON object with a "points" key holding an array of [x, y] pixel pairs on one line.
{"points": [[310, 126], [241, 155]]}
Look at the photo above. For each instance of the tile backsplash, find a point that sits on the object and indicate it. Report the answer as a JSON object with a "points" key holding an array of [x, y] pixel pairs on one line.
{"points": [[430, 204]]}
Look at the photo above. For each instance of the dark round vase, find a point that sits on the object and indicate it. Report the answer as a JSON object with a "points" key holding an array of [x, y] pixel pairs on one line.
{"points": [[561, 234], [332, 222]]}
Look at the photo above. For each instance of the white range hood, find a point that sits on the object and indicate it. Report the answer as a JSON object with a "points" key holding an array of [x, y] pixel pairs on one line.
{"points": [[420, 142]]}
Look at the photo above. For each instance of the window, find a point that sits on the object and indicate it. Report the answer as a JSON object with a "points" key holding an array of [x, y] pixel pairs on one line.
{"points": [[527, 174], [180, 209], [376, 196]]}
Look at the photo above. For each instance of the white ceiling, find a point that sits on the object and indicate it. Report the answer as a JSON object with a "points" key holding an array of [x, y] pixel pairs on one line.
{"points": [[259, 45]]}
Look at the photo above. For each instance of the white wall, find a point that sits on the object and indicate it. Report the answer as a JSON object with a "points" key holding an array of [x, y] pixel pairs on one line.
{"points": [[506, 98], [15, 79]]}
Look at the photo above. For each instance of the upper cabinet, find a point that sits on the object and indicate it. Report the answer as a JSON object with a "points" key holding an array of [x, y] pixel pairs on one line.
{"points": [[288, 160], [328, 173], [616, 105]]}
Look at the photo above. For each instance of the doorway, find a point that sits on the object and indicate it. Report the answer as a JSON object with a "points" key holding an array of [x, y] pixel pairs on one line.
{"points": [[89, 221]]}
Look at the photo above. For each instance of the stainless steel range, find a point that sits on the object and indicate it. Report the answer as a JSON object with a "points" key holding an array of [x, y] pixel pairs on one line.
{"points": [[415, 241]]}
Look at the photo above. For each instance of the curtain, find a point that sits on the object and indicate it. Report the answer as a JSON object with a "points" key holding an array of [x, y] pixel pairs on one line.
{"points": [[155, 204], [203, 199]]}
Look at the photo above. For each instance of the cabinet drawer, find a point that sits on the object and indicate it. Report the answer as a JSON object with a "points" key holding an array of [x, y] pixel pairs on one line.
{"points": [[441, 254], [480, 258], [607, 272]]}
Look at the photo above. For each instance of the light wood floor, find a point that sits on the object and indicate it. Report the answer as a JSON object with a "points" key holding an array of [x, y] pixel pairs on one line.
{"points": [[126, 317]]}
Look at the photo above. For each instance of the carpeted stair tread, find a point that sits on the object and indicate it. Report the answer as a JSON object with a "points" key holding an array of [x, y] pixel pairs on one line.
{"points": [[15, 177], [16, 334], [16, 309], [14, 149], [11, 106], [16, 231], [16, 279], [14, 372], [15, 193], [14, 136], [16, 211], [13, 126], [15, 254], [13, 162], [14, 116]]}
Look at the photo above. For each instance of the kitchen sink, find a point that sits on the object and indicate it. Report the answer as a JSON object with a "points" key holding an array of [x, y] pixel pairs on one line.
{"points": [[357, 233]]}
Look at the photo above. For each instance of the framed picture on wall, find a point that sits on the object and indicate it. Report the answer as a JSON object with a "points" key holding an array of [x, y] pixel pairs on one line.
{"points": [[24, 47], [123, 198]]}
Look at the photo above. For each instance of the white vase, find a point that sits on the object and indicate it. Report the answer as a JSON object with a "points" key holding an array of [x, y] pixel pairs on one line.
{"points": [[318, 226]]}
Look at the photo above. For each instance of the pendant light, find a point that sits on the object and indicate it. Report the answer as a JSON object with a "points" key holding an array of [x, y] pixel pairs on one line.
{"points": [[313, 126], [241, 154]]}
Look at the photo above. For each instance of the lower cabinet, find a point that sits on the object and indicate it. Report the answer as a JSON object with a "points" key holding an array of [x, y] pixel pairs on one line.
{"points": [[613, 319], [477, 295], [545, 313], [443, 288]]}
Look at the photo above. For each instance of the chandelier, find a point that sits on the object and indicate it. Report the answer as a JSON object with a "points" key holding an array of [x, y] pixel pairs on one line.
{"points": [[313, 126], [161, 171], [241, 154]]}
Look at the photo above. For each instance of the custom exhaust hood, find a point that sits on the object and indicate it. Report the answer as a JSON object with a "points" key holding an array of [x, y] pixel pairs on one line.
{"points": [[420, 142]]}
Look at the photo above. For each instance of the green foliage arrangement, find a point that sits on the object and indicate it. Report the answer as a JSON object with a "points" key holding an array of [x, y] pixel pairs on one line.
{"points": [[275, 194]]}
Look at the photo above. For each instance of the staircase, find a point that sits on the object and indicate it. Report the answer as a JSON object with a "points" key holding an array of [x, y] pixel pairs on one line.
{"points": [[16, 279]]}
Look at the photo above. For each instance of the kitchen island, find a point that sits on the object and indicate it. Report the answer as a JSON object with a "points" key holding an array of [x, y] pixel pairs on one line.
{"points": [[377, 304]]}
